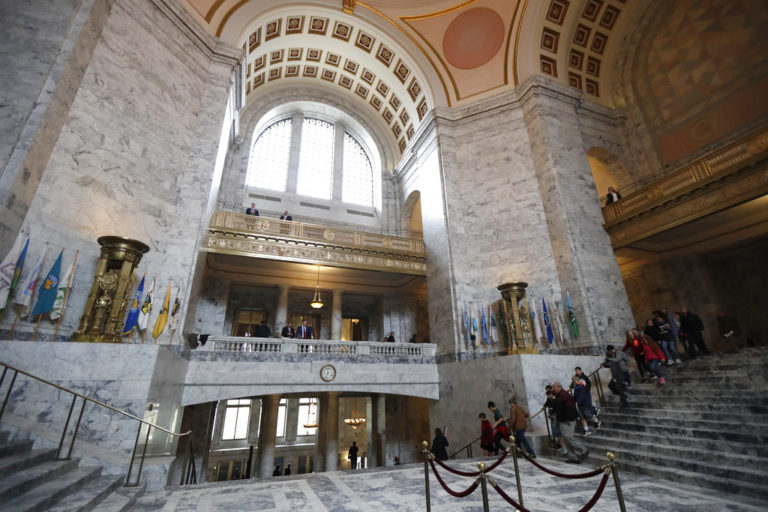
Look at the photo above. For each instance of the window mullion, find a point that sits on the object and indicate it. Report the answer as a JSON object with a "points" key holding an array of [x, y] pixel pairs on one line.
{"points": [[338, 161], [293, 159]]}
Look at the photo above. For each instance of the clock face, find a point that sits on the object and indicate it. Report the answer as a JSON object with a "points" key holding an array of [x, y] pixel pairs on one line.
{"points": [[328, 373]]}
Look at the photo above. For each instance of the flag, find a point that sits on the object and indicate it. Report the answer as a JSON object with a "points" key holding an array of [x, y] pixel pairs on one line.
{"points": [[146, 308], [466, 325], [24, 295], [174, 312], [46, 295], [534, 324], [485, 327], [547, 324], [494, 332], [133, 314], [474, 326], [61, 294], [503, 323], [10, 270], [162, 318], [572, 316]]}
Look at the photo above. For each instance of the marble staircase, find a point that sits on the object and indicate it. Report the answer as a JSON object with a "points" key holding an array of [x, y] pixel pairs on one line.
{"points": [[32, 480], [708, 426]]}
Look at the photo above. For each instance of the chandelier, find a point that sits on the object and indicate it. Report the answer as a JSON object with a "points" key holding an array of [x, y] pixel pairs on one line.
{"points": [[354, 421], [312, 415], [317, 301]]}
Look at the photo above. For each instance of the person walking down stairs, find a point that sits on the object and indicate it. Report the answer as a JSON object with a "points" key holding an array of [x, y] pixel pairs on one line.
{"points": [[653, 358], [619, 366]]}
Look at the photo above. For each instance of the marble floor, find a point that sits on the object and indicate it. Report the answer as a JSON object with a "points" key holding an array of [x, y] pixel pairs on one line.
{"points": [[402, 489]]}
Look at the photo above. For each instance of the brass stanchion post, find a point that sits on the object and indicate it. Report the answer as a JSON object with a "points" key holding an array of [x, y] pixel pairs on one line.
{"points": [[513, 447], [425, 451], [483, 486], [616, 481]]}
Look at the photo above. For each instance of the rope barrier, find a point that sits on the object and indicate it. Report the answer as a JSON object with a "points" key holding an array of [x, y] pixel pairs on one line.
{"points": [[473, 473], [507, 497], [457, 494], [564, 475], [598, 493]]}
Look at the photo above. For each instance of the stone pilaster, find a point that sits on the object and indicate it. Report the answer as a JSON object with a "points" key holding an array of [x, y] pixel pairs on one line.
{"points": [[281, 312], [336, 314], [267, 432], [332, 432]]}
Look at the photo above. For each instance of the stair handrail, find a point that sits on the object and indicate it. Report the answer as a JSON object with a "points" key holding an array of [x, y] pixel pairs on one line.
{"points": [[467, 447], [188, 474]]}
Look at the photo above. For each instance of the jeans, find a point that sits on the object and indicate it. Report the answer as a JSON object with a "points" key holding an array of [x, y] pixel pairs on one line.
{"points": [[522, 442], [670, 350], [653, 365]]}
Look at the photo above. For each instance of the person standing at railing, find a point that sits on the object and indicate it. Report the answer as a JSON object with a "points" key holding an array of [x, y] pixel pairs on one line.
{"points": [[286, 216], [391, 337], [612, 197], [252, 210], [288, 331], [518, 424], [304, 331]]}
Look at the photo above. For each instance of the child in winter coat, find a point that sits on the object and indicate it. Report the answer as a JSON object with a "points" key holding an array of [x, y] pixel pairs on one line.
{"points": [[653, 357], [635, 344]]}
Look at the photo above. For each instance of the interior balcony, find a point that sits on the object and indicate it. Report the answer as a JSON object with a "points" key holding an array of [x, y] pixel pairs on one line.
{"points": [[718, 201], [261, 237]]}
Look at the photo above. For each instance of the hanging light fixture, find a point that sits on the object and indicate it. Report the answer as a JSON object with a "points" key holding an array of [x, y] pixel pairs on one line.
{"points": [[355, 421], [317, 301], [312, 415]]}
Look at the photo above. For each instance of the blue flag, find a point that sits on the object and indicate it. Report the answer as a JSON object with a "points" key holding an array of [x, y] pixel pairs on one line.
{"points": [[46, 295], [547, 324], [485, 327], [466, 325], [133, 313]]}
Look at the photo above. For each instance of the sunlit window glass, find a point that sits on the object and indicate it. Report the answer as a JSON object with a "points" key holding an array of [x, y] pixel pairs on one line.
{"points": [[316, 159], [357, 185], [236, 419], [307, 415], [268, 164], [281, 409]]}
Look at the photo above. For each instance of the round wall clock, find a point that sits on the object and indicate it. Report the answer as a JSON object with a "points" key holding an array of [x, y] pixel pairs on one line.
{"points": [[328, 373]]}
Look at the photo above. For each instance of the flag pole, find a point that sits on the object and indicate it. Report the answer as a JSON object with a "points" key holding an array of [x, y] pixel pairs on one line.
{"points": [[34, 334], [66, 296], [10, 333]]}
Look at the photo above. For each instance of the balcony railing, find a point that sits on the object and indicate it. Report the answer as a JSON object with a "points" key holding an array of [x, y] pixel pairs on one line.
{"points": [[715, 166], [262, 237]]}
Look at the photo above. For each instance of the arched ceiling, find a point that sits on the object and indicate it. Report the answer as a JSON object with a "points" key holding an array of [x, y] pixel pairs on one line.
{"points": [[451, 51]]}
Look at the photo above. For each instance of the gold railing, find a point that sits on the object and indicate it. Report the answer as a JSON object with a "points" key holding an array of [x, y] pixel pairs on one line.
{"points": [[262, 237], [712, 167]]}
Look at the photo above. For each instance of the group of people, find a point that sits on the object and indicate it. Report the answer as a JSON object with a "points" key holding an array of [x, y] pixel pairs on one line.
{"points": [[286, 472], [254, 211], [492, 432], [303, 332]]}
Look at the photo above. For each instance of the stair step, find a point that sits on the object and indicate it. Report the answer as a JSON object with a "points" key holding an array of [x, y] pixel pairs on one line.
{"points": [[698, 434], [17, 484], [91, 496], [4, 436], [618, 419], [697, 414], [14, 463], [122, 499], [41, 497], [15, 447]]}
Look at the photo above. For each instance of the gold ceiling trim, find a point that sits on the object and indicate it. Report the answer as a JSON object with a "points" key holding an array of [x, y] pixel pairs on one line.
{"points": [[414, 41], [517, 42], [212, 11], [438, 13], [509, 41], [229, 14]]}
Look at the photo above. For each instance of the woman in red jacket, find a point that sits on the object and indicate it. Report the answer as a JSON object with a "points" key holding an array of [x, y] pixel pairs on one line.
{"points": [[634, 343], [653, 357]]}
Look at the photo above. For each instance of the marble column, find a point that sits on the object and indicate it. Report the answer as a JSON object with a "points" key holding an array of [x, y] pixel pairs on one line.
{"points": [[336, 315], [281, 313], [267, 433], [376, 430], [322, 415], [332, 432], [291, 420]]}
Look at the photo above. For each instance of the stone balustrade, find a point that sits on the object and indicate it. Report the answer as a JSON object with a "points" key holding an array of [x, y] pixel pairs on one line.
{"points": [[262, 237]]}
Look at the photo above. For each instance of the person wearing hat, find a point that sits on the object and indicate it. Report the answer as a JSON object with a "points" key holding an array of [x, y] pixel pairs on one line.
{"points": [[619, 366]]}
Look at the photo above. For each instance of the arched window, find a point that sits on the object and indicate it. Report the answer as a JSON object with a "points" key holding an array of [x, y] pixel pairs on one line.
{"points": [[316, 159], [357, 184], [269, 157]]}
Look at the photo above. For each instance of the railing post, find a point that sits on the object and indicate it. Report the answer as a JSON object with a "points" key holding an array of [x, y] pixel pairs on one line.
{"points": [[484, 486], [77, 427], [513, 447], [616, 480], [427, 455], [133, 457], [8, 393], [64, 431]]}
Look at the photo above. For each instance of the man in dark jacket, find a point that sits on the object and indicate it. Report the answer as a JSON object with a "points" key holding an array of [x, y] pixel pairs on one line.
{"points": [[566, 414], [691, 327], [619, 366]]}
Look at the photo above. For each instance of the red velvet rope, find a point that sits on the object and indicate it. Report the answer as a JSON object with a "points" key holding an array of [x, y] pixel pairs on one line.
{"points": [[450, 491], [498, 461], [509, 500], [598, 493], [563, 475], [455, 471]]}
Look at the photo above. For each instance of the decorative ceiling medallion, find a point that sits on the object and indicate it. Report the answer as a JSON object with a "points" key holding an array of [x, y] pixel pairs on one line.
{"points": [[385, 55], [368, 76], [404, 117], [414, 89], [387, 115], [549, 40], [258, 80], [574, 80], [329, 236], [345, 82], [394, 101], [548, 66], [402, 144], [259, 62], [396, 129], [599, 42], [294, 24], [364, 41], [402, 71], [351, 66], [291, 70], [376, 102], [581, 36], [328, 75], [382, 88], [557, 10], [275, 73], [295, 53], [609, 17], [314, 54], [318, 25], [276, 56], [591, 9], [576, 59], [332, 58], [310, 71], [254, 40], [342, 31], [361, 91], [473, 38], [593, 66], [592, 87], [273, 29], [409, 132], [422, 108]]}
